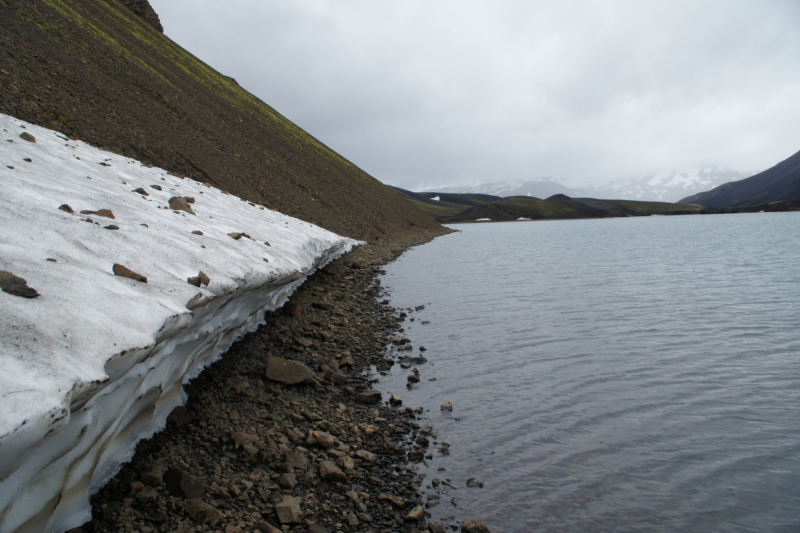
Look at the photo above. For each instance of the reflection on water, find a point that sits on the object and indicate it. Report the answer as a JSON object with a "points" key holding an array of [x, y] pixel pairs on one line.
{"points": [[611, 375]]}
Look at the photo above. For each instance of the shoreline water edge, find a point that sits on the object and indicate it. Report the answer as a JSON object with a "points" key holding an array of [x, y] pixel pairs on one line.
{"points": [[285, 432]]}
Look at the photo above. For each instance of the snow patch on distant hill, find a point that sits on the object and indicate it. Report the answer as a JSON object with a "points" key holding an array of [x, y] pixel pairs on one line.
{"points": [[97, 361], [663, 186]]}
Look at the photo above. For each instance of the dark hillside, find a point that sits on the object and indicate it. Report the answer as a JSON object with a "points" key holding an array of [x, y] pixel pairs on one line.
{"points": [[779, 183], [102, 71]]}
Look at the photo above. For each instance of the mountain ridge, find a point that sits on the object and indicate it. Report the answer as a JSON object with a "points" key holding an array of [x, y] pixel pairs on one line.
{"points": [[780, 182]]}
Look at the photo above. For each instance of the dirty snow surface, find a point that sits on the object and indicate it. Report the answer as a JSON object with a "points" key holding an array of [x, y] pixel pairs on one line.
{"points": [[97, 360]]}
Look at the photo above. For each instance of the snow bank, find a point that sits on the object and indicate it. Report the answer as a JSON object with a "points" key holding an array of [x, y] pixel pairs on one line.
{"points": [[97, 361]]}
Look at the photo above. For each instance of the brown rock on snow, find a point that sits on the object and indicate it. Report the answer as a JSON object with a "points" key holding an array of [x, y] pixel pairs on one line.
{"points": [[25, 136], [16, 286], [199, 279], [141, 191], [179, 203], [288, 371], [106, 213], [66, 207], [125, 272]]}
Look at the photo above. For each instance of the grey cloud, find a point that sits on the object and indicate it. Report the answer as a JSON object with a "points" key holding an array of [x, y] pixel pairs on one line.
{"points": [[422, 94]]}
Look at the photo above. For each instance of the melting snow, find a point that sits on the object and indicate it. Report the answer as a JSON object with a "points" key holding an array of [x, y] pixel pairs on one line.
{"points": [[97, 361]]}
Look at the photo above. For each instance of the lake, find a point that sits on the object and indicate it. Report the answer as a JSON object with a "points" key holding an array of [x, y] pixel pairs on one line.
{"points": [[626, 374]]}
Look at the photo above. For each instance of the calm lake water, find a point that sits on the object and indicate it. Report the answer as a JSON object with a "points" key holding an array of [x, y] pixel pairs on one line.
{"points": [[637, 374]]}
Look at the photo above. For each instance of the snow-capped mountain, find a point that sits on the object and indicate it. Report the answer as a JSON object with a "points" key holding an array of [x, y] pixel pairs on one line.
{"points": [[662, 186]]}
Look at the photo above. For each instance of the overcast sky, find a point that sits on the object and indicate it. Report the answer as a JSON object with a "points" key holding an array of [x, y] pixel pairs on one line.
{"points": [[428, 93]]}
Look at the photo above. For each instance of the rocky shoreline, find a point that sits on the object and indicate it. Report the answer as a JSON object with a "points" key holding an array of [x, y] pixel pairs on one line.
{"points": [[310, 448]]}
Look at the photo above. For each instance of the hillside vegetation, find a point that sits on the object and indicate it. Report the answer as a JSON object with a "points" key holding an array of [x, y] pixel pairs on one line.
{"points": [[102, 71]]}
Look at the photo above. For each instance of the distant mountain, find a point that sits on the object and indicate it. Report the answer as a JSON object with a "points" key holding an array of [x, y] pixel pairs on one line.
{"points": [[660, 187], [540, 188], [781, 182], [663, 186]]}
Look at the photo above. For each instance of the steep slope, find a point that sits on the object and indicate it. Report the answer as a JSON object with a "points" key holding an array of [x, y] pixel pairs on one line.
{"points": [[101, 70], [781, 182]]}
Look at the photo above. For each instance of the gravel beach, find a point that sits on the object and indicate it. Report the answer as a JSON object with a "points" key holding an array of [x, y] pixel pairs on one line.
{"points": [[285, 432]]}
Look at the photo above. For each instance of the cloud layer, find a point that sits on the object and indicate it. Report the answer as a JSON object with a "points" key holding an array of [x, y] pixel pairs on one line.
{"points": [[421, 94]]}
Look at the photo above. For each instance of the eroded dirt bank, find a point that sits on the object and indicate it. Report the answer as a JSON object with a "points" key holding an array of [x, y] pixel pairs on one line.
{"points": [[250, 453]]}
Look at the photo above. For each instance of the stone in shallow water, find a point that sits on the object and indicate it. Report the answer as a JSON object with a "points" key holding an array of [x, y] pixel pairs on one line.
{"points": [[473, 526]]}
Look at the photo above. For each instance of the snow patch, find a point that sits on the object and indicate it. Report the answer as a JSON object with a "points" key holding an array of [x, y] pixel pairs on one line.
{"points": [[97, 361]]}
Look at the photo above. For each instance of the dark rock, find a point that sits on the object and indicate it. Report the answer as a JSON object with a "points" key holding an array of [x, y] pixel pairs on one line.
{"points": [[416, 456], [156, 187], [152, 477], [297, 460], [66, 207], [287, 371], [293, 309], [141, 191], [25, 136], [183, 485], [199, 279], [371, 396], [473, 526], [266, 527], [287, 481], [197, 232], [288, 510], [203, 513], [434, 527], [417, 514], [106, 213], [322, 305], [111, 226], [330, 472], [413, 378], [143, 9], [316, 528], [472, 482], [28, 160], [394, 400], [179, 203], [16, 286], [125, 272], [179, 417]]}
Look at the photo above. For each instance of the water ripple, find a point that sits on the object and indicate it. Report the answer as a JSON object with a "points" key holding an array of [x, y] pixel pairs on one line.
{"points": [[612, 375]]}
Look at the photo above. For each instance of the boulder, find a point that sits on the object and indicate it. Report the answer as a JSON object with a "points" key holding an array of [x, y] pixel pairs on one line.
{"points": [[371, 396], [364, 455], [203, 513], [330, 472], [125, 272], [394, 400], [288, 510], [447, 406], [287, 371], [180, 203], [16, 286], [417, 514], [183, 485]]}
